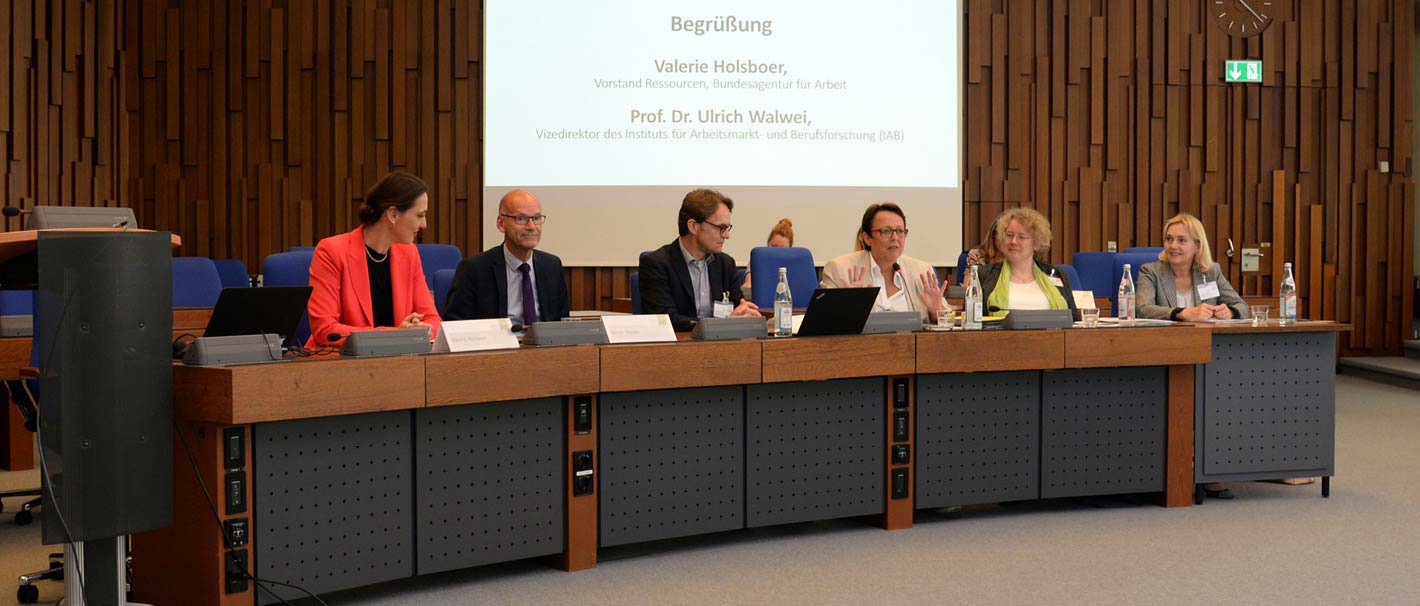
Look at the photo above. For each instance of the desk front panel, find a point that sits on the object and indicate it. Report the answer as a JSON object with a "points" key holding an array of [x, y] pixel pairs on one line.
{"points": [[814, 450], [332, 501], [671, 463], [1266, 407], [978, 438], [1103, 431]]}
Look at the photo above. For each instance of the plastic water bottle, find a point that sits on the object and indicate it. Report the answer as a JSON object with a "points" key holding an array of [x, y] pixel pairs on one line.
{"points": [[971, 316], [1126, 298], [783, 306], [1287, 301]]}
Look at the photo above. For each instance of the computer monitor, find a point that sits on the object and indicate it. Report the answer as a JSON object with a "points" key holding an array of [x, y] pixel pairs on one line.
{"points": [[255, 311]]}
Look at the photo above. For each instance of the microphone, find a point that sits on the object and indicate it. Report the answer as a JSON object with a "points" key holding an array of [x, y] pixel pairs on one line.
{"points": [[11, 211], [334, 336], [896, 268]]}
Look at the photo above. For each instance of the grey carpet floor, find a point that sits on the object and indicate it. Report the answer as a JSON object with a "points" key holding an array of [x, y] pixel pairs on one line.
{"points": [[1274, 544]]}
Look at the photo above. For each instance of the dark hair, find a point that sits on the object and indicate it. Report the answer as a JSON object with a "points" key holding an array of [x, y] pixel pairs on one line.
{"points": [[870, 214], [396, 190], [699, 205], [784, 228]]}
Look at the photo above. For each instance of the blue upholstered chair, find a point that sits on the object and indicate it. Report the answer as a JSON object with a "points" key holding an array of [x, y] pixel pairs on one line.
{"points": [[301, 249], [291, 268], [233, 273], [443, 283], [1095, 270], [196, 282], [435, 257], [1135, 261], [1145, 249], [1069, 271], [764, 263]]}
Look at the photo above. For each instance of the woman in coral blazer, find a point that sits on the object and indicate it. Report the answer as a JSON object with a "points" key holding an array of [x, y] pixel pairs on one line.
{"points": [[371, 278]]}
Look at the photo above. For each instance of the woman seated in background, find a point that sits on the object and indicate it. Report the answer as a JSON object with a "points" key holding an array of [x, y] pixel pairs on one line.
{"points": [[782, 236], [1185, 283], [985, 252], [904, 283], [371, 278], [1021, 280]]}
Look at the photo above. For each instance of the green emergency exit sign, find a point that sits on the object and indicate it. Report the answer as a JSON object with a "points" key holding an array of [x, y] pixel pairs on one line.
{"points": [[1243, 72]]}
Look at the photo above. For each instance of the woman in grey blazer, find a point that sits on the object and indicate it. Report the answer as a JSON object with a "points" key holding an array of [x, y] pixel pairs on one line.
{"points": [[1185, 284]]}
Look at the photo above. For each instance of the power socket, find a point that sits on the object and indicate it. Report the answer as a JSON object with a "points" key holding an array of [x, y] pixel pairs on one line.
{"points": [[900, 428], [582, 415], [901, 454], [237, 567], [899, 483], [237, 532], [236, 483], [234, 453], [583, 473], [899, 392]]}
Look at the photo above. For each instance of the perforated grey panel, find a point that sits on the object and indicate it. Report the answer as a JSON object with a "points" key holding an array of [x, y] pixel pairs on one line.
{"points": [[1103, 431], [671, 463], [1268, 405], [978, 438], [490, 483], [815, 450], [332, 501]]}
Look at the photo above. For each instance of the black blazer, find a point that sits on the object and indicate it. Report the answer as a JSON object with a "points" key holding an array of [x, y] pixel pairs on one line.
{"points": [[992, 274], [666, 287], [480, 289]]}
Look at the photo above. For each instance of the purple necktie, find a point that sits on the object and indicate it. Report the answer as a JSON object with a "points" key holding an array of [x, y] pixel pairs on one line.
{"points": [[529, 302]]}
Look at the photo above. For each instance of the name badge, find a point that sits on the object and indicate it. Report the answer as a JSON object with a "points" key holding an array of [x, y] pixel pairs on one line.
{"points": [[723, 309], [1208, 290], [474, 335], [638, 329], [1057, 281]]}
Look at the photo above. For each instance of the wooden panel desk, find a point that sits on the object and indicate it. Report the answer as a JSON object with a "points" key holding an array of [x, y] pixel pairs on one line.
{"points": [[770, 375]]}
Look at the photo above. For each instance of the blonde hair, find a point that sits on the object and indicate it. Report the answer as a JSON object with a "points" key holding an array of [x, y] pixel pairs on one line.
{"points": [[1203, 259], [1031, 219], [784, 228]]}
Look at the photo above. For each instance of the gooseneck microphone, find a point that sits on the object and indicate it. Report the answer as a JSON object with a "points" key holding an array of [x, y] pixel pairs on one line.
{"points": [[12, 211]]}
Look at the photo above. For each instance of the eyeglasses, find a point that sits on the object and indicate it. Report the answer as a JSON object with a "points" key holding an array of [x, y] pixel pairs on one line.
{"points": [[888, 232], [724, 229], [524, 219], [1008, 236]]}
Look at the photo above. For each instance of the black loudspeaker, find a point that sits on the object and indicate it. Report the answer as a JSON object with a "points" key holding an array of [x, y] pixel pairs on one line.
{"points": [[103, 328]]}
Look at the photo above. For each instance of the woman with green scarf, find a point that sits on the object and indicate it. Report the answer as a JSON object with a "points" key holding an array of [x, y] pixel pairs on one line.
{"points": [[1022, 281]]}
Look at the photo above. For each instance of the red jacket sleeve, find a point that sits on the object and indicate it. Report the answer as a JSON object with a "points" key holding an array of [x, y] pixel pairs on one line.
{"points": [[424, 300], [327, 277]]}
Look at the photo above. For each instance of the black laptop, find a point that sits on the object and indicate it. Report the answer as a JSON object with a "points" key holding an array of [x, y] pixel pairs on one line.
{"points": [[838, 311], [256, 311]]}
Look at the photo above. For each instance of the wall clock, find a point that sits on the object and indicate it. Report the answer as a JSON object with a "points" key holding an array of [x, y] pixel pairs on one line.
{"points": [[1242, 18]]}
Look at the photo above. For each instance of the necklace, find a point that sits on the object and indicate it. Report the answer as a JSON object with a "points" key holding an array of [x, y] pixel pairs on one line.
{"points": [[372, 255]]}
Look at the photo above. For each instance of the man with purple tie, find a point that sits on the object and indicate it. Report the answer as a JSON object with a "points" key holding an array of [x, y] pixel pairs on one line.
{"points": [[512, 280]]}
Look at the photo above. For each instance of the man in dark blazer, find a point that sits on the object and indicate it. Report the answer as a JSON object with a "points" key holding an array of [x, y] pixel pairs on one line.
{"points": [[498, 282], [685, 278]]}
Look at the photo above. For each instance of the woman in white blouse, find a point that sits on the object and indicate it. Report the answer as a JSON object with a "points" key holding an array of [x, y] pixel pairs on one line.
{"points": [[905, 283], [1022, 280]]}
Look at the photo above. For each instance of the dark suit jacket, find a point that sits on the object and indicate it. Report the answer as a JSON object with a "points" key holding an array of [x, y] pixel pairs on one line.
{"points": [[992, 274], [480, 289], [666, 287]]}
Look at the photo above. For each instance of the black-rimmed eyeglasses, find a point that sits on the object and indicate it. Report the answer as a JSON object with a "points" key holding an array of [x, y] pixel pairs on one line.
{"points": [[524, 219]]}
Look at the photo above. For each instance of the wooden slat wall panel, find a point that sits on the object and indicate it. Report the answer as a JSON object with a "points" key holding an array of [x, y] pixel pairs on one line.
{"points": [[245, 125], [1140, 125], [253, 125]]}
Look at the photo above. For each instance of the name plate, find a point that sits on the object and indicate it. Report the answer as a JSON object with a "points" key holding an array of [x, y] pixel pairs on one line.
{"points": [[639, 329], [475, 335], [1084, 299]]}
